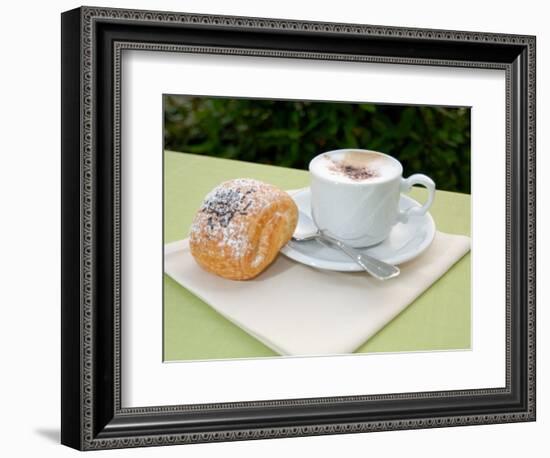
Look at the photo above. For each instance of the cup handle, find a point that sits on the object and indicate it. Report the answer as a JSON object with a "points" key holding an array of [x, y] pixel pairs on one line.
{"points": [[406, 185]]}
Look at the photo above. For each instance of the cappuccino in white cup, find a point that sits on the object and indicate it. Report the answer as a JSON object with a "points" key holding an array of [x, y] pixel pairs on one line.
{"points": [[355, 195]]}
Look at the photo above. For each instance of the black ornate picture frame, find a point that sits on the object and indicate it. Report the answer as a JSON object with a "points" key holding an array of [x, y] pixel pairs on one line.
{"points": [[92, 42]]}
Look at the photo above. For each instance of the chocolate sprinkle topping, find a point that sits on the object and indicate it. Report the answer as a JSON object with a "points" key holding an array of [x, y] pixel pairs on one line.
{"points": [[353, 172], [358, 173], [221, 223], [224, 204]]}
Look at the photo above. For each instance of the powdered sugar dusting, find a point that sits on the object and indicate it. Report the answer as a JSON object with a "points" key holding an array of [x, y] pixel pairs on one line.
{"points": [[257, 260], [222, 216]]}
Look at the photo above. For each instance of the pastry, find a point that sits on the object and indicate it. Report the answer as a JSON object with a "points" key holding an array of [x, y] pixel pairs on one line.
{"points": [[240, 228]]}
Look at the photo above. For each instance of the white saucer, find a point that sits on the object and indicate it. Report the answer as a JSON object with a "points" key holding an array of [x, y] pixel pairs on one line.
{"points": [[405, 242]]}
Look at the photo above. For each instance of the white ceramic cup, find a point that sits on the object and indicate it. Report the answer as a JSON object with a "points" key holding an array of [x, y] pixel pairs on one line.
{"points": [[362, 213]]}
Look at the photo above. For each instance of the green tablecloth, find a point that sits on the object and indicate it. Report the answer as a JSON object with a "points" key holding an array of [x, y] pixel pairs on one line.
{"points": [[437, 320]]}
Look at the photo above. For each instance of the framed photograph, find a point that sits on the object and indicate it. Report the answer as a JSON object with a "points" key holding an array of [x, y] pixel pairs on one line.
{"points": [[276, 228]]}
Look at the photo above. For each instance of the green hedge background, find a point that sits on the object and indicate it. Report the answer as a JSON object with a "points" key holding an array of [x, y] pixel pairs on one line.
{"points": [[426, 139]]}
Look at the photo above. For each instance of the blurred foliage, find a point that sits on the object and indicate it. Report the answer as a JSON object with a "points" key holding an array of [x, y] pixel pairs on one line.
{"points": [[431, 140]]}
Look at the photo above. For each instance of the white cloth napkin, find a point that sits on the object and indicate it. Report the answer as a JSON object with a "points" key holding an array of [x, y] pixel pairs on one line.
{"points": [[298, 310]]}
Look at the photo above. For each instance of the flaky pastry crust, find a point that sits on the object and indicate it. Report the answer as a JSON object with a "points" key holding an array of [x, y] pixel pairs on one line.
{"points": [[240, 228]]}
